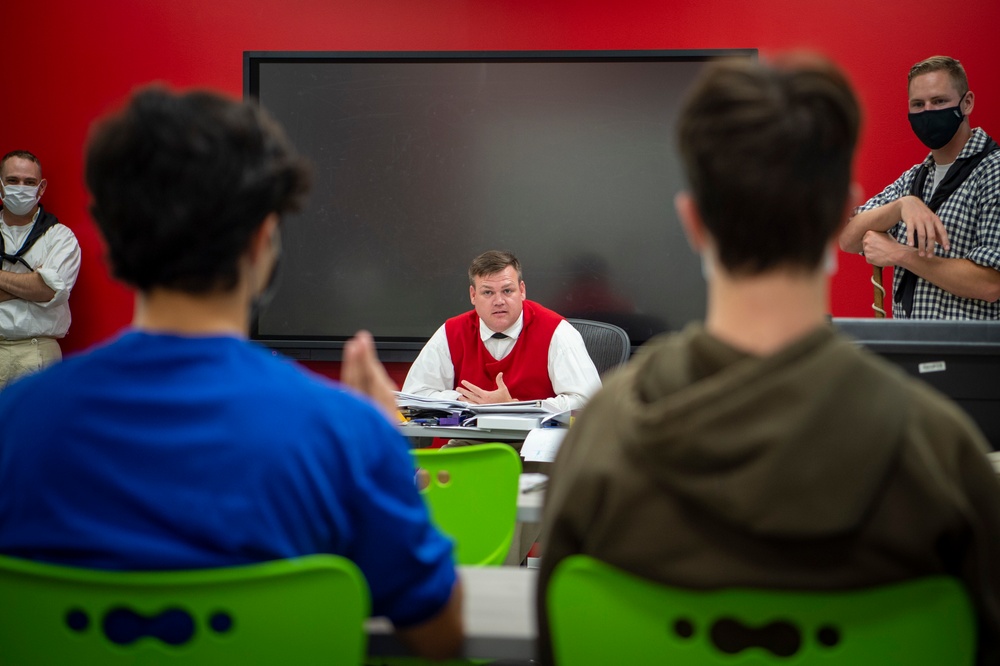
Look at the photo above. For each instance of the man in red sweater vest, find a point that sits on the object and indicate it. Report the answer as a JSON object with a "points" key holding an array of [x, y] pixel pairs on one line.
{"points": [[507, 348]]}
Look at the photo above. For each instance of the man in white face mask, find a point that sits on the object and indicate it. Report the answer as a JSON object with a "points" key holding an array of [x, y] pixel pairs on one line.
{"points": [[41, 261]]}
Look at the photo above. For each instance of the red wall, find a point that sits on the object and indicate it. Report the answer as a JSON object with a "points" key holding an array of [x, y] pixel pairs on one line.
{"points": [[67, 62]]}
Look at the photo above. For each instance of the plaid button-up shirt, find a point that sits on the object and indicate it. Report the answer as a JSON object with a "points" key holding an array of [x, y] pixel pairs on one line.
{"points": [[971, 215]]}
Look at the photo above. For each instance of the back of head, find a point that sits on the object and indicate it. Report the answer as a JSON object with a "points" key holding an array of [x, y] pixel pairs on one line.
{"points": [[181, 181], [941, 63], [491, 263], [768, 152]]}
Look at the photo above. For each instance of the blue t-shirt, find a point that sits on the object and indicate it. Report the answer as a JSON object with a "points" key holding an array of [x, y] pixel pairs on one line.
{"points": [[167, 452]]}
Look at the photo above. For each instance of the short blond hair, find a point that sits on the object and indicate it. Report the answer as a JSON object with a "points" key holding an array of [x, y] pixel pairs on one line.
{"points": [[941, 63]]}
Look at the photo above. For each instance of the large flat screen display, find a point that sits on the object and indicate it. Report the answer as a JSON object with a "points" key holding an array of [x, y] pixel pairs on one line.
{"points": [[424, 160]]}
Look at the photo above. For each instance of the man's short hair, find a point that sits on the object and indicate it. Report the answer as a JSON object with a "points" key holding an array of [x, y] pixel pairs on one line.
{"points": [[491, 263], [941, 63], [768, 152], [180, 182], [24, 155]]}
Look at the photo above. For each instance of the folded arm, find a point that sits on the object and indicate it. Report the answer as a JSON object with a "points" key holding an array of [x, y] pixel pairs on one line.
{"points": [[958, 276], [26, 286], [924, 229], [56, 258]]}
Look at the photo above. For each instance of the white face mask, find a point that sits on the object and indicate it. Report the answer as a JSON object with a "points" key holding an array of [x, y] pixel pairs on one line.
{"points": [[20, 199]]}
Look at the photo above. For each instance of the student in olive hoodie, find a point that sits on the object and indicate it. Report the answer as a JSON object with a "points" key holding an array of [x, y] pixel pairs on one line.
{"points": [[760, 448]]}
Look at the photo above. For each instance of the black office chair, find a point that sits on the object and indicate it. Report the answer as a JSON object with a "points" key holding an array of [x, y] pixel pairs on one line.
{"points": [[607, 344]]}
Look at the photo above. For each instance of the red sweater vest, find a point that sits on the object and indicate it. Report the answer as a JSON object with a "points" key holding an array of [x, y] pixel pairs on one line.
{"points": [[525, 369]]}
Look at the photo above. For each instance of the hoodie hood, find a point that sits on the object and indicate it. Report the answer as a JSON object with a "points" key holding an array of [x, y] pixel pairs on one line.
{"points": [[792, 445]]}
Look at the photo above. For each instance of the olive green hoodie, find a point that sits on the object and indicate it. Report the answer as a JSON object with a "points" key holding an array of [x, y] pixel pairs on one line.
{"points": [[819, 466]]}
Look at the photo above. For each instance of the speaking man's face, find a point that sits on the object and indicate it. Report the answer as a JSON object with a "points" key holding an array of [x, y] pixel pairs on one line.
{"points": [[498, 299]]}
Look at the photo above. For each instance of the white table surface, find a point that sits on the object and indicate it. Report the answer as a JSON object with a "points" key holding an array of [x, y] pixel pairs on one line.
{"points": [[529, 506], [499, 615]]}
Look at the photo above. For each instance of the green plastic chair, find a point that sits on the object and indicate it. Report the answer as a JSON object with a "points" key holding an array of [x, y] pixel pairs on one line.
{"points": [[471, 492], [601, 615], [298, 611]]}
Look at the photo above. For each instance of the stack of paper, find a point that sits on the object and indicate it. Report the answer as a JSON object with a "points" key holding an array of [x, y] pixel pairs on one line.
{"points": [[498, 421], [542, 444], [519, 415], [408, 401]]}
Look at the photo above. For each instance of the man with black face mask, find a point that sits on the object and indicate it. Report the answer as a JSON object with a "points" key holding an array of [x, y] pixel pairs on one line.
{"points": [[938, 223]]}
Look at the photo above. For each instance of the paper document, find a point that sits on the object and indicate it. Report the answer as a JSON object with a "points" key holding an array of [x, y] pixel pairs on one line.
{"points": [[421, 402], [524, 407], [561, 418], [531, 482], [508, 421], [542, 444]]}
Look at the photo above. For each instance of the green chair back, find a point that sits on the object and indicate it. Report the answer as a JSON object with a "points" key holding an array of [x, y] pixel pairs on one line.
{"points": [[307, 610], [601, 615], [471, 492]]}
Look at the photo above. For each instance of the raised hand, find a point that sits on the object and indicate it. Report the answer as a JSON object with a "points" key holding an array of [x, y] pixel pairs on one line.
{"points": [[480, 396], [363, 372]]}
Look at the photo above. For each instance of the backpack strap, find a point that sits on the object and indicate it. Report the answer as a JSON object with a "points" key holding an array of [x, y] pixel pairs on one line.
{"points": [[43, 223], [957, 174]]}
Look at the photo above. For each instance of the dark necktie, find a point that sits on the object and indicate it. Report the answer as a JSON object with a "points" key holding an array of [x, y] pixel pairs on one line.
{"points": [[499, 336]]}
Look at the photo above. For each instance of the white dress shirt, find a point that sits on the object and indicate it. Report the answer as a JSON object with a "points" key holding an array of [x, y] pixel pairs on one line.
{"points": [[573, 375], [56, 258]]}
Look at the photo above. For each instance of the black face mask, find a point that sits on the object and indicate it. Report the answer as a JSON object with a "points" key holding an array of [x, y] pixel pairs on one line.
{"points": [[936, 128]]}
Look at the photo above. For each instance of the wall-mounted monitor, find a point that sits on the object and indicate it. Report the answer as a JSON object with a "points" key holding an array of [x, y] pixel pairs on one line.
{"points": [[959, 358], [424, 160]]}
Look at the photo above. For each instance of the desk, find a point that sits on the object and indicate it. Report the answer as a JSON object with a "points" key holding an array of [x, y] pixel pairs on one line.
{"points": [[529, 506], [499, 615], [459, 432]]}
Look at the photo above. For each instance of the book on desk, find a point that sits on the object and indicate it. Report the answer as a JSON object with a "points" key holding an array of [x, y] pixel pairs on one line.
{"points": [[527, 421], [509, 421], [534, 415], [409, 401]]}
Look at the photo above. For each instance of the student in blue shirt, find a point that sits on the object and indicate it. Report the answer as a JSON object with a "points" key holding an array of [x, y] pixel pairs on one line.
{"points": [[179, 444]]}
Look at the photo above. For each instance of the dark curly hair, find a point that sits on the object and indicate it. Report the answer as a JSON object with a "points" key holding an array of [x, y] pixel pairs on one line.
{"points": [[181, 181]]}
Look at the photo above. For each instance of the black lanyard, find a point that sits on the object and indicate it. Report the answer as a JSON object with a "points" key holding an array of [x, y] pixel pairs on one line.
{"points": [[959, 171], [43, 223]]}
